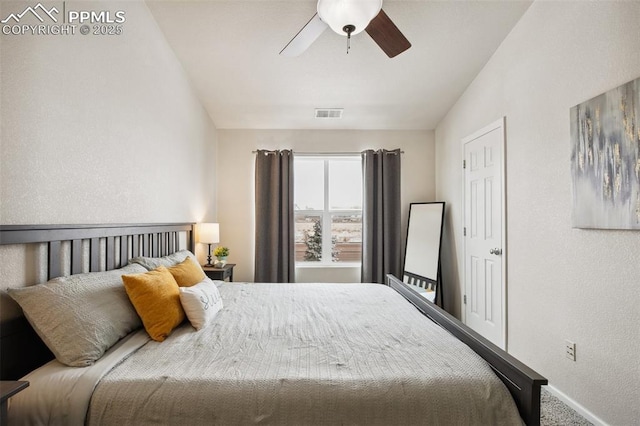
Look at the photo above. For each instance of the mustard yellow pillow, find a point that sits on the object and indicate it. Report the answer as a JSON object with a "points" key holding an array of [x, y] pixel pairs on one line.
{"points": [[156, 297], [187, 273]]}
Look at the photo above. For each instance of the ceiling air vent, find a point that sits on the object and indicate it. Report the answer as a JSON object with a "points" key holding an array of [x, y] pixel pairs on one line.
{"points": [[328, 112]]}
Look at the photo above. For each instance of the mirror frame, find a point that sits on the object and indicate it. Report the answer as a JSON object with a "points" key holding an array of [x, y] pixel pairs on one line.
{"points": [[418, 277]]}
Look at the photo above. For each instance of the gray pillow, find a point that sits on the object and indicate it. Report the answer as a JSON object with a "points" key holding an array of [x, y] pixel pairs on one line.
{"points": [[80, 316], [152, 263]]}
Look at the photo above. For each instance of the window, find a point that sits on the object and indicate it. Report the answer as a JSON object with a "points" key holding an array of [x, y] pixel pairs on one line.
{"points": [[328, 196]]}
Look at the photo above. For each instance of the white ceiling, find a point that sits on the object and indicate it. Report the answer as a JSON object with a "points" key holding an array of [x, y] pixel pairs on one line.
{"points": [[230, 50]]}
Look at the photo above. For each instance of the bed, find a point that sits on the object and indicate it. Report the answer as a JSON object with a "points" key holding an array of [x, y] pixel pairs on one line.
{"points": [[275, 354]]}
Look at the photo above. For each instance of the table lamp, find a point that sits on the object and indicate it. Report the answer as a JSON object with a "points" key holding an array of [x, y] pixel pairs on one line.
{"points": [[209, 234]]}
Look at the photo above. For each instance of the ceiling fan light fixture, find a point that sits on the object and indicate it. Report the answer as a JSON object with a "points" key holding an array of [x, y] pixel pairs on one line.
{"points": [[339, 14]]}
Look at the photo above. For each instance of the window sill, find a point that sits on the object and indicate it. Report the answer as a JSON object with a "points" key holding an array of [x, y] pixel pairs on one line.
{"points": [[313, 265]]}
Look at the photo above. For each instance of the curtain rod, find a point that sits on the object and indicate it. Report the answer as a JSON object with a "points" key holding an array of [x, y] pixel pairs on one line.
{"points": [[326, 154]]}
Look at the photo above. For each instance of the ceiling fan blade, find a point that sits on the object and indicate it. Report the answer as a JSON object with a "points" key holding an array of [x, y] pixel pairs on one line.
{"points": [[305, 37], [385, 33]]}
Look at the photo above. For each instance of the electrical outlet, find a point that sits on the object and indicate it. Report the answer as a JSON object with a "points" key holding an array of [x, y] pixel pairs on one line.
{"points": [[570, 350]]}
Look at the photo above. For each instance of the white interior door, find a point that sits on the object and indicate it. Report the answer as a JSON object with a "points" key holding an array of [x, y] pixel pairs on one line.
{"points": [[484, 221]]}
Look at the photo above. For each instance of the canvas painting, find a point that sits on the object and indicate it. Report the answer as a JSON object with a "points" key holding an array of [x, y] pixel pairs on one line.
{"points": [[605, 159]]}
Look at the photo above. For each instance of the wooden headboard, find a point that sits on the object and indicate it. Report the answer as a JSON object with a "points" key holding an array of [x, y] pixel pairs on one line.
{"points": [[73, 249]]}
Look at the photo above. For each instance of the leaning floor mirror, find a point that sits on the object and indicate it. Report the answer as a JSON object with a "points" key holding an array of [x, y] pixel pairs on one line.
{"points": [[422, 250]]}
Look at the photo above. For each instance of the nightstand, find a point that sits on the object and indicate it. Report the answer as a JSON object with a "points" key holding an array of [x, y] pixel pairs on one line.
{"points": [[8, 389], [222, 274]]}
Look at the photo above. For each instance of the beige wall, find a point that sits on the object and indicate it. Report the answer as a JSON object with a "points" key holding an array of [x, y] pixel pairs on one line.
{"points": [[235, 176], [563, 283], [100, 130]]}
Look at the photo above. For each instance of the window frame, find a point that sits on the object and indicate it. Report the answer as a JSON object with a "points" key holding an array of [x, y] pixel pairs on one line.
{"points": [[327, 213]]}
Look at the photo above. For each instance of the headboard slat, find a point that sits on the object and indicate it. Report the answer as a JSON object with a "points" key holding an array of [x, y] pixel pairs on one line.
{"points": [[165, 244], [54, 265], [145, 246], [111, 253], [124, 250], [155, 252], [76, 256], [135, 245], [171, 241], [94, 255]]}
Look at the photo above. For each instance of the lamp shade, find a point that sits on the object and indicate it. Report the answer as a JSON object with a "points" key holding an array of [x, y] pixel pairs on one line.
{"points": [[209, 233], [338, 13]]}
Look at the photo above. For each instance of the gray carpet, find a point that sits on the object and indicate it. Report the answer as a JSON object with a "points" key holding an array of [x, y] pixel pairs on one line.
{"points": [[554, 412]]}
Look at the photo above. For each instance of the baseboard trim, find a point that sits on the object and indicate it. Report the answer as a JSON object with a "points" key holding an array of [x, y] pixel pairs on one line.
{"points": [[577, 407]]}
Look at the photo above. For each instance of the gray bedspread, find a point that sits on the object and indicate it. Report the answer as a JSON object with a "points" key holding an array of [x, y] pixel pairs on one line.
{"points": [[298, 354]]}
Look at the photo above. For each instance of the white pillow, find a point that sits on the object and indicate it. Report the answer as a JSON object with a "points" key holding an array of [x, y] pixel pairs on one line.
{"points": [[201, 302]]}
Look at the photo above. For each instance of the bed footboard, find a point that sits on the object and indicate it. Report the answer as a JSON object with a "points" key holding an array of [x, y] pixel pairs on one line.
{"points": [[522, 382]]}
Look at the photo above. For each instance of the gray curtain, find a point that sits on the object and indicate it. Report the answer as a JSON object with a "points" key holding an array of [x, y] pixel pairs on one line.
{"points": [[381, 215], [275, 249]]}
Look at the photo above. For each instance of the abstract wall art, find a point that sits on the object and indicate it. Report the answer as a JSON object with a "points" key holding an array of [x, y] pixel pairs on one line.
{"points": [[605, 159]]}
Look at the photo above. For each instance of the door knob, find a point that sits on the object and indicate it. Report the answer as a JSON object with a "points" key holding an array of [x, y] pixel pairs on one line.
{"points": [[496, 251]]}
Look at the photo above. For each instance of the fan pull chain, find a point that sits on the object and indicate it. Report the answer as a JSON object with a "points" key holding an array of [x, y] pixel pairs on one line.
{"points": [[348, 29]]}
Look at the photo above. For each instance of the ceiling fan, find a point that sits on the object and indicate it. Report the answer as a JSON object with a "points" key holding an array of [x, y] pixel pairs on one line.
{"points": [[349, 17]]}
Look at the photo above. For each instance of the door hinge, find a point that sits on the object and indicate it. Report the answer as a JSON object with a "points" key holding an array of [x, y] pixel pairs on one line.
{"points": [[465, 299], [464, 164], [464, 231]]}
